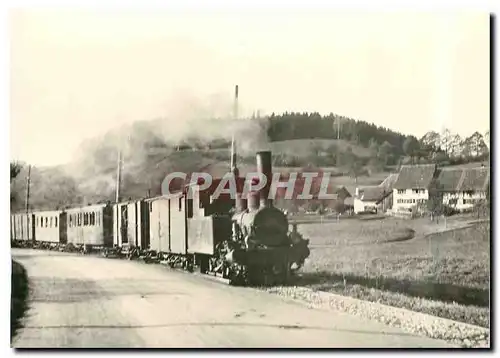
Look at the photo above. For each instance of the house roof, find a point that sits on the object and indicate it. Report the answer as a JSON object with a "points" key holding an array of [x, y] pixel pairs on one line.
{"points": [[476, 179], [450, 179], [415, 176], [463, 179], [373, 193], [342, 190], [389, 182], [378, 192]]}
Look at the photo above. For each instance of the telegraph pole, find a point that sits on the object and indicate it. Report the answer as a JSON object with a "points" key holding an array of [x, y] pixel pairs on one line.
{"points": [[28, 182], [234, 169]]}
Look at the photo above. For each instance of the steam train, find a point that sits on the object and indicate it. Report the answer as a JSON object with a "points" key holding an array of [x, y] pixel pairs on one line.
{"points": [[245, 241]]}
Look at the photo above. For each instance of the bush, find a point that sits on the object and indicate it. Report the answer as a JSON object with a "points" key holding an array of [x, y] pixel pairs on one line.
{"points": [[449, 211], [19, 294]]}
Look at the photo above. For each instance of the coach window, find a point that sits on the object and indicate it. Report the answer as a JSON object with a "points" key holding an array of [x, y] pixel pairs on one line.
{"points": [[180, 204], [46, 222], [50, 222], [79, 219], [85, 219], [55, 219]]}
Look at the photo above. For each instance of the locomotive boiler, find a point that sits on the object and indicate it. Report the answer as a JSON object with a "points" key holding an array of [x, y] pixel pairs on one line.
{"points": [[246, 240], [261, 250]]}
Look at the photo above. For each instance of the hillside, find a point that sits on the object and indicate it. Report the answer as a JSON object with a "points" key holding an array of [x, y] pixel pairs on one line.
{"points": [[363, 155], [306, 147]]}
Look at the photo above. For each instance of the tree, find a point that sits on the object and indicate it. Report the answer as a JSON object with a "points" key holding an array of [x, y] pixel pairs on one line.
{"points": [[373, 147], [474, 146], [446, 136], [355, 170], [411, 146], [385, 152], [338, 206], [455, 146], [479, 145], [435, 201], [439, 157], [431, 141], [15, 169]]}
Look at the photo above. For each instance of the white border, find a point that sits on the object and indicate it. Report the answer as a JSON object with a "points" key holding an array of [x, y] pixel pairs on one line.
{"points": [[414, 5]]}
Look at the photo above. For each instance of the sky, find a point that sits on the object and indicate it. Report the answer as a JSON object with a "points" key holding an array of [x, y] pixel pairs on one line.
{"points": [[76, 74]]}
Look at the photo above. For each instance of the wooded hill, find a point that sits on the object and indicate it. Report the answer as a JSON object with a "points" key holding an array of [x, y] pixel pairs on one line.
{"points": [[351, 147]]}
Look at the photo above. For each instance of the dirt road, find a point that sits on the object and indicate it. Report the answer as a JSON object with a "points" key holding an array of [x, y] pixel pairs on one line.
{"points": [[78, 301]]}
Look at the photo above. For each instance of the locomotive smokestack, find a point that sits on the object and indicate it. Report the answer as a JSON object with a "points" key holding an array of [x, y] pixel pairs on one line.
{"points": [[265, 167], [234, 168]]}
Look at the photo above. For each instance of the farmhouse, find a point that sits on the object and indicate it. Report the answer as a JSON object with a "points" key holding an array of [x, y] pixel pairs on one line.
{"points": [[339, 195], [463, 188], [411, 188], [375, 198]]}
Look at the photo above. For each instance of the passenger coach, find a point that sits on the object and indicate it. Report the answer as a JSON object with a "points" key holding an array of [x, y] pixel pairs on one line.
{"points": [[90, 225]]}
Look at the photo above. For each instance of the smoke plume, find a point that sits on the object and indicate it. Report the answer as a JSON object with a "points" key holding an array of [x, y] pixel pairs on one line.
{"points": [[192, 133]]}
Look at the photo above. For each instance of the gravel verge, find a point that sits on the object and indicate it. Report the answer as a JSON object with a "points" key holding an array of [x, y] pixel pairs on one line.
{"points": [[461, 334]]}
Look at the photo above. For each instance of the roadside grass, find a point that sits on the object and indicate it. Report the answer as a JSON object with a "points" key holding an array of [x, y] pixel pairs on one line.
{"points": [[19, 294], [405, 263]]}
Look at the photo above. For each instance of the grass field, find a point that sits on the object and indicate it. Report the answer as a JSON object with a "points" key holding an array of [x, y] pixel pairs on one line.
{"points": [[304, 147], [438, 268]]}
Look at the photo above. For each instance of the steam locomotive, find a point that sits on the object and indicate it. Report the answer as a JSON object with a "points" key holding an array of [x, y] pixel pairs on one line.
{"points": [[245, 241]]}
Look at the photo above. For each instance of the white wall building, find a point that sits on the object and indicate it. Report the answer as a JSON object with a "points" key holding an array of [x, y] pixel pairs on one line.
{"points": [[464, 187], [377, 198], [411, 188]]}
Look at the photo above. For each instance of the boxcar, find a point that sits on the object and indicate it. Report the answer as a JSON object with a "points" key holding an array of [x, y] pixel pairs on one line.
{"points": [[23, 228], [168, 224], [90, 225], [50, 226], [131, 224]]}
